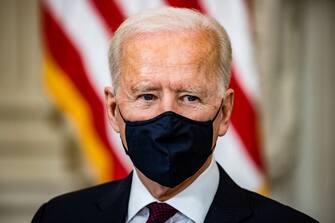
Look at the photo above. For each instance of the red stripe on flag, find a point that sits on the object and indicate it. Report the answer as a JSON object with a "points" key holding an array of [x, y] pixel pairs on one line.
{"points": [[185, 4], [110, 13], [68, 59], [244, 120]]}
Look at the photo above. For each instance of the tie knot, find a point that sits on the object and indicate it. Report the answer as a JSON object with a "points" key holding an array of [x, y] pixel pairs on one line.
{"points": [[160, 212]]}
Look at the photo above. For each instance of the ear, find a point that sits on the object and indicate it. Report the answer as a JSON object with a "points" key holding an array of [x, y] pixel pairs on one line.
{"points": [[227, 109], [110, 99]]}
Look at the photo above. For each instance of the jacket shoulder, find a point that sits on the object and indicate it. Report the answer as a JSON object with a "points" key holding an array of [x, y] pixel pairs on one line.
{"points": [[73, 206], [86, 195], [268, 210]]}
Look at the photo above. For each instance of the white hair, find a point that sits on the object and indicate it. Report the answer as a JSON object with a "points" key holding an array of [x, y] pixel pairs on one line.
{"points": [[172, 19]]}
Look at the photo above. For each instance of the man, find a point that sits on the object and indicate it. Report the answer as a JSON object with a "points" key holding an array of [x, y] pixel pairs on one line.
{"points": [[169, 102]]}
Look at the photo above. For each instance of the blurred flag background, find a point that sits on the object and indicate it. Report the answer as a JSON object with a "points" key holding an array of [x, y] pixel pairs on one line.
{"points": [[54, 132]]}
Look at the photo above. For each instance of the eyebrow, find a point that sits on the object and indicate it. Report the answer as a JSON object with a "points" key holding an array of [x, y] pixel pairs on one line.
{"points": [[192, 90], [149, 87], [144, 87]]}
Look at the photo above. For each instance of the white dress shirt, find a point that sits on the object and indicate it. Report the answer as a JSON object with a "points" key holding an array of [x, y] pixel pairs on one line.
{"points": [[192, 203]]}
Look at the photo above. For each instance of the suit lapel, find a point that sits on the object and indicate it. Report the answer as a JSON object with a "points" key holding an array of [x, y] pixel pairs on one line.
{"points": [[114, 206], [230, 203]]}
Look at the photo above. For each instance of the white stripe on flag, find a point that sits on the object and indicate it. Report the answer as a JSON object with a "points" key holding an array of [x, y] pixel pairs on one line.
{"points": [[130, 7]]}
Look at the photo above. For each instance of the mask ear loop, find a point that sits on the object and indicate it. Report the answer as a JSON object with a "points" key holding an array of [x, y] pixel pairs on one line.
{"points": [[217, 113], [125, 121], [122, 115]]}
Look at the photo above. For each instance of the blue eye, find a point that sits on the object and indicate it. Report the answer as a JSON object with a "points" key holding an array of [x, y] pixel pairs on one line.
{"points": [[191, 98], [148, 97]]}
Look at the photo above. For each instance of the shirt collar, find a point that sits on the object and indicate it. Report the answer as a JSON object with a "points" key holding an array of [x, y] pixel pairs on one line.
{"points": [[139, 197], [194, 201]]}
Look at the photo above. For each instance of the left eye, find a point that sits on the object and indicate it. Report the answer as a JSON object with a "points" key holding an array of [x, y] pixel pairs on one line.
{"points": [[191, 98]]}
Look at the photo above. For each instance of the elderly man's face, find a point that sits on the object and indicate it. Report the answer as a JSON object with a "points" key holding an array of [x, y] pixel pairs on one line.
{"points": [[169, 72]]}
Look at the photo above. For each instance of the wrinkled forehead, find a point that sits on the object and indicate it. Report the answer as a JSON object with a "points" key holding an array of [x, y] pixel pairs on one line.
{"points": [[168, 48]]}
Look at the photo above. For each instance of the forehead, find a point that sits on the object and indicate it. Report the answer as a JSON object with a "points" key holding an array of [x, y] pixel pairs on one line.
{"points": [[183, 58], [169, 48]]}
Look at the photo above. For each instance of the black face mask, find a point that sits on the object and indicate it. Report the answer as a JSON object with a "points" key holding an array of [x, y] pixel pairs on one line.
{"points": [[169, 148]]}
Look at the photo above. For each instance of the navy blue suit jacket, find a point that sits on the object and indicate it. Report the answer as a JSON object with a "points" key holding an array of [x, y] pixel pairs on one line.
{"points": [[108, 203]]}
